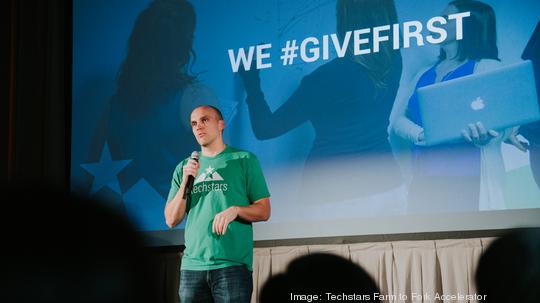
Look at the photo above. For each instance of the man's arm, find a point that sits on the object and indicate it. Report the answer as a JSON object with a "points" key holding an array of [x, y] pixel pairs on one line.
{"points": [[257, 211], [175, 209]]}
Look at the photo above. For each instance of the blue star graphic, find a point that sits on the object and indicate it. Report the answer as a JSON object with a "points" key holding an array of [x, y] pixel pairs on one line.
{"points": [[105, 171]]}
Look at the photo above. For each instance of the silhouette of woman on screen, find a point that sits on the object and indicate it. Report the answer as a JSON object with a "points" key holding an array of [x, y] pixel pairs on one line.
{"points": [[465, 175], [147, 119], [348, 102]]}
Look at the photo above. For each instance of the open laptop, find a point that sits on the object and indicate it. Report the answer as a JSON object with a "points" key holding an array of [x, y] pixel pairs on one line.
{"points": [[499, 99]]}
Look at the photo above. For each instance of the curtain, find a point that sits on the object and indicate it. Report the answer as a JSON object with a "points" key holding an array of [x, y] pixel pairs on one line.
{"points": [[400, 269]]}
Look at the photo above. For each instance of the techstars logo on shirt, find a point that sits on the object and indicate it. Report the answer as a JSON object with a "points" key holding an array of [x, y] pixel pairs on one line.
{"points": [[209, 174]]}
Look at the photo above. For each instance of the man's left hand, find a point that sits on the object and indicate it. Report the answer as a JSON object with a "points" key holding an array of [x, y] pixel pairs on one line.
{"points": [[222, 220]]}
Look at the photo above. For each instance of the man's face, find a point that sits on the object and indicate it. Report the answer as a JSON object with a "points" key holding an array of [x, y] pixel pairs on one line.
{"points": [[206, 125]]}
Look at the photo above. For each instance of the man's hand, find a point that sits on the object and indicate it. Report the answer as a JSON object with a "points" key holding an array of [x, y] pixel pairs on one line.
{"points": [[190, 169], [222, 220]]}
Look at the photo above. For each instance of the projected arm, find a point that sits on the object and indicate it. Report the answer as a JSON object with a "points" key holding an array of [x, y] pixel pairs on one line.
{"points": [[403, 126], [408, 130], [257, 211], [400, 124], [265, 123]]}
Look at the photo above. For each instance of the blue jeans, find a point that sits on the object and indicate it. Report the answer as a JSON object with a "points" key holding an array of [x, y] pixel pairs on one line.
{"points": [[229, 284]]}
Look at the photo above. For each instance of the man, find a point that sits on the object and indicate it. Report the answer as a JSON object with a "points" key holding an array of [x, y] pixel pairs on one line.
{"points": [[228, 194]]}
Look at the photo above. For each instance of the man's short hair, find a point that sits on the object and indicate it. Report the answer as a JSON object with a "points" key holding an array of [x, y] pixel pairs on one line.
{"points": [[215, 109]]}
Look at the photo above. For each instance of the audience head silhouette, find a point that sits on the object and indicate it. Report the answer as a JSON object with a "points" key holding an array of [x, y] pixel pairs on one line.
{"points": [[62, 248], [509, 270], [319, 274]]}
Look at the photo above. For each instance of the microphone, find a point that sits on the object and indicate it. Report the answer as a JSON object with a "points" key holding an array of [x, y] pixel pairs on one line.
{"points": [[191, 179]]}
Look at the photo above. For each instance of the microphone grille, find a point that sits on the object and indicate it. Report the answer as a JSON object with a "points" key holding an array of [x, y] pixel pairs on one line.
{"points": [[195, 155]]}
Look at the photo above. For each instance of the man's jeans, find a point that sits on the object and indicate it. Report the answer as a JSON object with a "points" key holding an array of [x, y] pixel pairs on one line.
{"points": [[229, 284]]}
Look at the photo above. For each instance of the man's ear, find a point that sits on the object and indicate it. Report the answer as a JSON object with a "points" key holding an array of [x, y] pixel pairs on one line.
{"points": [[221, 125]]}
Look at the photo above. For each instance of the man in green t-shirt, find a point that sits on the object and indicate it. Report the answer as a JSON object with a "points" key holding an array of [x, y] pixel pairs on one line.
{"points": [[229, 192]]}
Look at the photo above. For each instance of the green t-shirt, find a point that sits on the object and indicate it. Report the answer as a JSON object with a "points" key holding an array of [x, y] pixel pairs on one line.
{"points": [[232, 177]]}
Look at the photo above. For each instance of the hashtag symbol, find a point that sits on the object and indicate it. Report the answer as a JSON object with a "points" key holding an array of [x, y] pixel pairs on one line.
{"points": [[289, 52]]}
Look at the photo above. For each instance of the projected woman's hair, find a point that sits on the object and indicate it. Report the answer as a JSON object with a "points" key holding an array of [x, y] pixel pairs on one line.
{"points": [[479, 32], [357, 14], [158, 55]]}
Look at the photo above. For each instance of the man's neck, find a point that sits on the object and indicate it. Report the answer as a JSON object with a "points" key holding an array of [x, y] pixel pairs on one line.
{"points": [[213, 148]]}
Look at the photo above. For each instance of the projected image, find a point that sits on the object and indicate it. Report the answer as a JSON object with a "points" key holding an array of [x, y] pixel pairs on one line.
{"points": [[355, 109]]}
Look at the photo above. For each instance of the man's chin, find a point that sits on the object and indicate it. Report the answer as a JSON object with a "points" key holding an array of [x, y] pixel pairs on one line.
{"points": [[205, 141]]}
